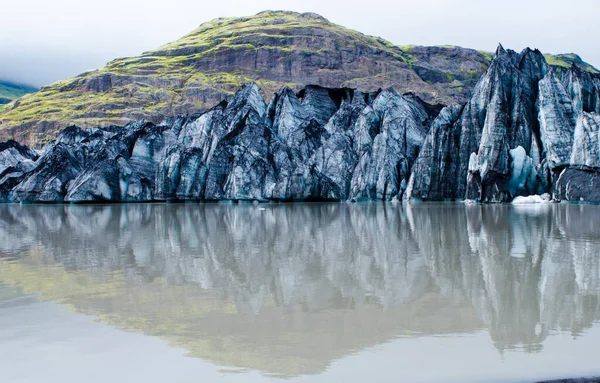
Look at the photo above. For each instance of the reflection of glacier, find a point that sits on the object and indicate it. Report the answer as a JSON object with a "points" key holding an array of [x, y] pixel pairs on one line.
{"points": [[382, 270]]}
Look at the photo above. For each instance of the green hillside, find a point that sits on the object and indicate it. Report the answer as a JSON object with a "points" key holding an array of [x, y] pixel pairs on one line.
{"points": [[567, 59], [10, 91]]}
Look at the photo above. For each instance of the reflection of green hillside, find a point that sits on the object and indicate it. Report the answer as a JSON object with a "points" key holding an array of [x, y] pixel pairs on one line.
{"points": [[7, 292], [277, 341], [287, 289]]}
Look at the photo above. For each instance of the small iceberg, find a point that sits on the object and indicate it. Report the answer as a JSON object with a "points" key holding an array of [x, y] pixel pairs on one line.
{"points": [[532, 199]]}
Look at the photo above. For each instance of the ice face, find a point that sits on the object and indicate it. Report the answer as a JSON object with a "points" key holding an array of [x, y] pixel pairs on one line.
{"points": [[522, 173], [586, 145]]}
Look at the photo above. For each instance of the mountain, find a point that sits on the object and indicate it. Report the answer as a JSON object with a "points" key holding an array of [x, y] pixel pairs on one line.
{"points": [[272, 49], [529, 128], [10, 91]]}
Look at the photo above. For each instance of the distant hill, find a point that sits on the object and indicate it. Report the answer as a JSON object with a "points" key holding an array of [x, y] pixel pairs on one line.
{"points": [[567, 59], [273, 49], [10, 91]]}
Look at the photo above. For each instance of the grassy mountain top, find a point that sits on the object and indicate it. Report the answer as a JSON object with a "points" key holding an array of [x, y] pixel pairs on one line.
{"points": [[565, 60], [276, 26]]}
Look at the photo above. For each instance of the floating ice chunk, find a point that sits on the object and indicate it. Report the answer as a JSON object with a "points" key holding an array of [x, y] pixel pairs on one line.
{"points": [[518, 252], [532, 199]]}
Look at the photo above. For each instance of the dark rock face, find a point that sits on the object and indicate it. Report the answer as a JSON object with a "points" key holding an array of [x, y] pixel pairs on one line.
{"points": [[580, 180], [528, 129], [525, 124], [578, 185]]}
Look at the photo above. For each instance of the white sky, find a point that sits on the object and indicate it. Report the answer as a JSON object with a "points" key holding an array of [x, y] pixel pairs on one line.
{"points": [[42, 41]]}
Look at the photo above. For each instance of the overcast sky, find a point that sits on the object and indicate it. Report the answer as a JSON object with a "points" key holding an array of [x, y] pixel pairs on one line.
{"points": [[42, 41]]}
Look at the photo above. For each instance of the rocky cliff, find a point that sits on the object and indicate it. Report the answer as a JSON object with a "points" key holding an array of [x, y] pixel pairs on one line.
{"points": [[272, 49], [529, 128]]}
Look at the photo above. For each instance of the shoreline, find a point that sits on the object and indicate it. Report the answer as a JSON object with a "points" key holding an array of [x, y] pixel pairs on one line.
{"points": [[414, 202], [573, 380]]}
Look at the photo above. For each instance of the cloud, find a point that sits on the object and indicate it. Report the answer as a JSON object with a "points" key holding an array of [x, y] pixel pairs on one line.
{"points": [[44, 41]]}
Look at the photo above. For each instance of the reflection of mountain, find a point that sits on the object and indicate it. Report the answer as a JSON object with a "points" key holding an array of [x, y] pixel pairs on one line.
{"points": [[286, 289]]}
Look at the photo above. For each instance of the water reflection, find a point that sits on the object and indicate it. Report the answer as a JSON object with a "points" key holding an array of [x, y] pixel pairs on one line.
{"points": [[287, 289]]}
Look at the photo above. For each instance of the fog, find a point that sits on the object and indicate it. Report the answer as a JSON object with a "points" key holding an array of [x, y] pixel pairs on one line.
{"points": [[43, 41]]}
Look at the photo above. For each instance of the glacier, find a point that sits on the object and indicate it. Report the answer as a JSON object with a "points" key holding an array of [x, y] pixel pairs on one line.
{"points": [[528, 129]]}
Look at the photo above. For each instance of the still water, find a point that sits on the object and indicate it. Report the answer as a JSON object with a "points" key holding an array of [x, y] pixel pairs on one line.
{"points": [[299, 293]]}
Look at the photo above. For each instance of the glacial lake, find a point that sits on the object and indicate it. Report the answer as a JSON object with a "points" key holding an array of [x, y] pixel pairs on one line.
{"points": [[365, 292]]}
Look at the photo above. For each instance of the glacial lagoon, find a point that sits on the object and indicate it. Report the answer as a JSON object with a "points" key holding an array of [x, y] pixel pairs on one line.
{"points": [[299, 292]]}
